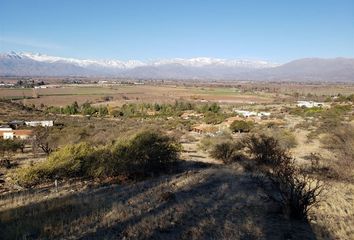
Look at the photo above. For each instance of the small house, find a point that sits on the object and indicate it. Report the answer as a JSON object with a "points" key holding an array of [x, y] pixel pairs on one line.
{"points": [[309, 104], [45, 123], [245, 113]]}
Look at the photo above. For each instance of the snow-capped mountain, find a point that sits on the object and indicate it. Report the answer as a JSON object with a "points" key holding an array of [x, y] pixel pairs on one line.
{"points": [[191, 62], [309, 69], [82, 63]]}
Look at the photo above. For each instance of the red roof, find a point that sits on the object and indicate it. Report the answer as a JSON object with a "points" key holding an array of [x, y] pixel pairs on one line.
{"points": [[23, 132]]}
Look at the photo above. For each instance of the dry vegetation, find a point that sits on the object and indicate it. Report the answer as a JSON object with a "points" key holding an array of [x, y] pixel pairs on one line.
{"points": [[242, 181]]}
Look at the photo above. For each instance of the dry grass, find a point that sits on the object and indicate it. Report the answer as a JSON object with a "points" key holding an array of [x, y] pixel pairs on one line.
{"points": [[212, 203], [335, 212]]}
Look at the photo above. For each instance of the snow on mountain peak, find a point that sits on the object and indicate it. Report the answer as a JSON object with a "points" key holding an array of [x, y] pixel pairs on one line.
{"points": [[117, 64]]}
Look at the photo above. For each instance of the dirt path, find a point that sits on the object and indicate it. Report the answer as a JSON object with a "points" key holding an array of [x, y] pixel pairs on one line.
{"points": [[191, 152]]}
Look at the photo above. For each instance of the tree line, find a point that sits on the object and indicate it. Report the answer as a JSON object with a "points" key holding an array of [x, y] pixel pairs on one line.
{"points": [[135, 109]]}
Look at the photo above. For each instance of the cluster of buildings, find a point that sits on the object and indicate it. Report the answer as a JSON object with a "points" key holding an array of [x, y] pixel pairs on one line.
{"points": [[12, 131]]}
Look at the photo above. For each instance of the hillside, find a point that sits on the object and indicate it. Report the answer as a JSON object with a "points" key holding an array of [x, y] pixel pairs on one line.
{"points": [[208, 203]]}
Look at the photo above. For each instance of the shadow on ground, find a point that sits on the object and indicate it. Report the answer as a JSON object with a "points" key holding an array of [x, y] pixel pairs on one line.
{"points": [[205, 202]]}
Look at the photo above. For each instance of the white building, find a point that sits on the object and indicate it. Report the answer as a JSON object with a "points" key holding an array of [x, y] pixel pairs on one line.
{"points": [[5, 129], [20, 134], [102, 82], [263, 114], [8, 135], [309, 104], [245, 113], [46, 123]]}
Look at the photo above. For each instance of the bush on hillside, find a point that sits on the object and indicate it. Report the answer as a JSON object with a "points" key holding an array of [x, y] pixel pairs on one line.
{"points": [[9, 145], [147, 153], [208, 142], [7, 148], [226, 152], [285, 138], [294, 191], [66, 162], [265, 150]]}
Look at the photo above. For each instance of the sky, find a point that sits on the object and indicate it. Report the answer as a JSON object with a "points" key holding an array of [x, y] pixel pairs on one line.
{"points": [[273, 30]]}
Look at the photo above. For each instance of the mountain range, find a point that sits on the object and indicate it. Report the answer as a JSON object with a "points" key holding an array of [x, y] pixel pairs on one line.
{"points": [[307, 69]]}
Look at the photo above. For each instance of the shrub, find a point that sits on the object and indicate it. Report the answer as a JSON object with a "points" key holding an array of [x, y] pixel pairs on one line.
{"points": [[66, 162], [285, 138], [241, 126], [148, 153], [214, 118], [9, 145], [266, 150], [294, 191], [208, 142], [7, 148], [225, 151]]}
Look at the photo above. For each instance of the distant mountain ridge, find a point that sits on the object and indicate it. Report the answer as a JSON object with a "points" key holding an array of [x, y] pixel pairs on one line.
{"points": [[307, 69]]}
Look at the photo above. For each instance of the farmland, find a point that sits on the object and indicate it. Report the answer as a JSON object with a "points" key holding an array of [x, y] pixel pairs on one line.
{"points": [[64, 95]]}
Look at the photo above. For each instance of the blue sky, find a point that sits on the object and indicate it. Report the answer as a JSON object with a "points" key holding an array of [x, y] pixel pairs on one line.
{"points": [[275, 30]]}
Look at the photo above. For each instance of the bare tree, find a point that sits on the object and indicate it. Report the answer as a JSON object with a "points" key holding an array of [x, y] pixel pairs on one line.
{"points": [[43, 139]]}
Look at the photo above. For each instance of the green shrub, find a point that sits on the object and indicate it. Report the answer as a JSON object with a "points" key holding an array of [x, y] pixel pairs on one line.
{"points": [[9, 145], [241, 126], [147, 153], [214, 118], [226, 151], [66, 162]]}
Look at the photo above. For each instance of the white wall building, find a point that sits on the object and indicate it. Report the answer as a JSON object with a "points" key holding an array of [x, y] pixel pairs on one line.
{"points": [[46, 123], [5, 129], [8, 135], [245, 113], [263, 114], [309, 104]]}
